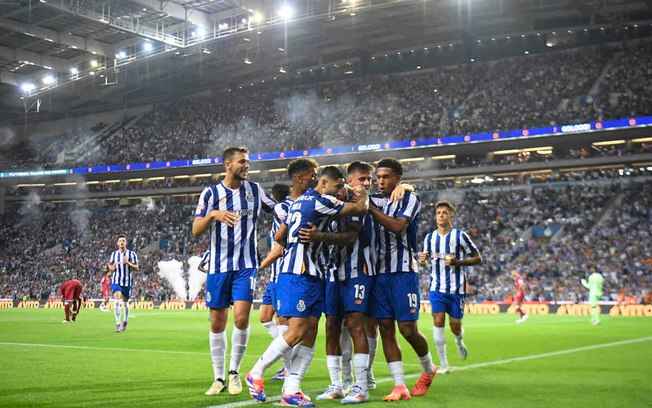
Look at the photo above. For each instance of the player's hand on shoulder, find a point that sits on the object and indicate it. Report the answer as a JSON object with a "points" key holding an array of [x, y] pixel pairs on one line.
{"points": [[397, 194], [225, 216]]}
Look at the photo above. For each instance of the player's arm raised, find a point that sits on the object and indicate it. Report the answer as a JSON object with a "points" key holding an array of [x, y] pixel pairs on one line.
{"points": [[344, 238]]}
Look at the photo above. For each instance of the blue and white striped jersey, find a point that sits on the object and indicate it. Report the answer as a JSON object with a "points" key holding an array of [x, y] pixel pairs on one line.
{"points": [[349, 262], [397, 252], [205, 259], [280, 214], [234, 248], [448, 279], [313, 208], [122, 274]]}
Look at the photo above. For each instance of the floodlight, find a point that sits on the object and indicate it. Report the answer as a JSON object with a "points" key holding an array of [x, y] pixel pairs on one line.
{"points": [[285, 12], [47, 80]]}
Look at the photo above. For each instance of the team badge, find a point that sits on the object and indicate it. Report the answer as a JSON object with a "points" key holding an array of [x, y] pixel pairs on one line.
{"points": [[278, 305], [250, 197], [208, 296], [301, 306]]}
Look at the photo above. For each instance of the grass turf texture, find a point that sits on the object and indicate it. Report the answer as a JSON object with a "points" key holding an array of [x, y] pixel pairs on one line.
{"points": [[162, 360]]}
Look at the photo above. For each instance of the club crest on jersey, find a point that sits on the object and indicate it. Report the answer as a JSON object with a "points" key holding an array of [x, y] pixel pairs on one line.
{"points": [[301, 306], [250, 197]]}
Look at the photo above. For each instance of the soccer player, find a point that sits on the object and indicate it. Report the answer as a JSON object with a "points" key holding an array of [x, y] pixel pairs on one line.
{"points": [[396, 292], [70, 293], [105, 283], [300, 289], [519, 296], [594, 285], [303, 174], [122, 263], [280, 193], [230, 210], [450, 252], [347, 295]]}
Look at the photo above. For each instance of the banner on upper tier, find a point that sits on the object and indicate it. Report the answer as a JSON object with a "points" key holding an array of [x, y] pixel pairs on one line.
{"points": [[566, 308], [325, 151]]}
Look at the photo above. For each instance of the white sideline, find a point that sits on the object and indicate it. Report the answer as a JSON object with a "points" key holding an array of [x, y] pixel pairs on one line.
{"points": [[467, 367]]}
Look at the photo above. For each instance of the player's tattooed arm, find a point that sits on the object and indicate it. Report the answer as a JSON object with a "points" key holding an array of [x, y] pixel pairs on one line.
{"points": [[359, 206], [344, 238]]}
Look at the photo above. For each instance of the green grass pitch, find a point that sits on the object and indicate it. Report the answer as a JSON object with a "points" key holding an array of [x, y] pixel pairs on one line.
{"points": [[162, 360]]}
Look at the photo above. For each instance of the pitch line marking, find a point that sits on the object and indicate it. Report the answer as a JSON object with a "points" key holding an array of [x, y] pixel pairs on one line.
{"points": [[468, 367], [194, 353]]}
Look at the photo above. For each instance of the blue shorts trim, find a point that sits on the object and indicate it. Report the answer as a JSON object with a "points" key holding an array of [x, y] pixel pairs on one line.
{"points": [[225, 288], [269, 298], [125, 290], [448, 303], [349, 296], [299, 295], [396, 296]]}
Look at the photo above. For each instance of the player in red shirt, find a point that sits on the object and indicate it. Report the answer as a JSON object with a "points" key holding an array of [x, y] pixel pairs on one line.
{"points": [[71, 295], [106, 289], [519, 296]]}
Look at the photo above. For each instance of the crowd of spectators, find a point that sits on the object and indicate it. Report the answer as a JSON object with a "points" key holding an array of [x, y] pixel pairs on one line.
{"points": [[584, 84], [605, 224], [604, 228]]}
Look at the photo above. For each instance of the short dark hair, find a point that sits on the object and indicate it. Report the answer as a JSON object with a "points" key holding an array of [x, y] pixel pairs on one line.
{"points": [[332, 173], [390, 163], [300, 165], [280, 191], [359, 166], [444, 203], [231, 151], [121, 236]]}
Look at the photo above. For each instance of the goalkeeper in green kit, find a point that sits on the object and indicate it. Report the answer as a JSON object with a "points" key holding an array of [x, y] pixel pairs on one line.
{"points": [[594, 285]]}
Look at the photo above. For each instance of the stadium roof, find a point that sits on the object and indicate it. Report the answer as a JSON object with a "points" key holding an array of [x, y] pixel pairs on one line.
{"points": [[94, 55]]}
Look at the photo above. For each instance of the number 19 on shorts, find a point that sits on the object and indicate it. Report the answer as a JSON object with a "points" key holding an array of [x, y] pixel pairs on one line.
{"points": [[412, 300]]}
